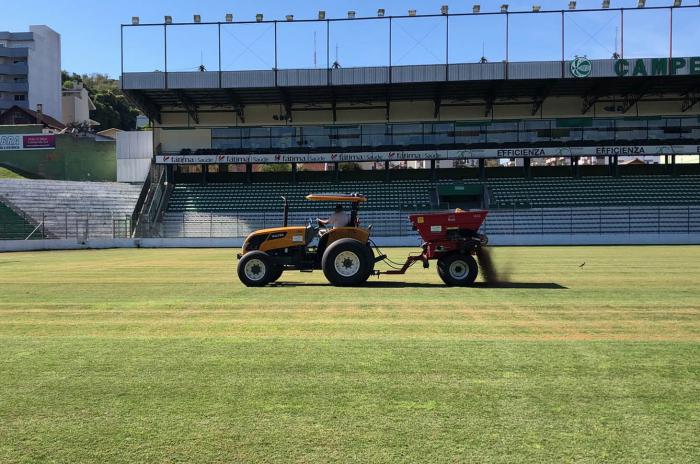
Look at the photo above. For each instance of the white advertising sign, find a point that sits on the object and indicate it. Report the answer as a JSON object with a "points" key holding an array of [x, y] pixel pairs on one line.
{"points": [[27, 142], [515, 152]]}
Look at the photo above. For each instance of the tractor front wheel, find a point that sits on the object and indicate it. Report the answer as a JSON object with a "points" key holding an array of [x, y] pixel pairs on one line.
{"points": [[346, 262], [458, 270], [255, 269]]}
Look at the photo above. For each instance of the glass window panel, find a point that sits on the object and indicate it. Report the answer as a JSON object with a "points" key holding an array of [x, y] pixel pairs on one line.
{"points": [[224, 138], [566, 134], [407, 134], [346, 136], [470, 133], [630, 129], [438, 133], [664, 129], [600, 129], [501, 132], [691, 128], [376, 135], [316, 137], [256, 138], [283, 137], [535, 131]]}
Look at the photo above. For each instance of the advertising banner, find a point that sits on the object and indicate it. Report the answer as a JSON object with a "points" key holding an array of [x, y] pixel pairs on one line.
{"points": [[27, 142], [35, 142], [512, 152]]}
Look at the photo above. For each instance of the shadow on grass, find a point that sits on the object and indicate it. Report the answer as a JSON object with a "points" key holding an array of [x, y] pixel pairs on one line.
{"points": [[390, 284], [534, 285]]}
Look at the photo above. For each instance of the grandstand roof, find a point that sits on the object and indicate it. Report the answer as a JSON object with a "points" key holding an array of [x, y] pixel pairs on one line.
{"points": [[153, 91]]}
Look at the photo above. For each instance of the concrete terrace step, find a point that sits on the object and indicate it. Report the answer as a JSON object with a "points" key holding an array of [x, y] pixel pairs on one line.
{"points": [[74, 209]]}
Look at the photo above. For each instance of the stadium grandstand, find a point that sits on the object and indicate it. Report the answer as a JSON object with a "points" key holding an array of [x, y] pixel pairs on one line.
{"points": [[594, 143], [573, 145]]}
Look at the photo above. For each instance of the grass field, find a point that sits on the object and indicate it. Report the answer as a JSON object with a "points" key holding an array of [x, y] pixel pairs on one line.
{"points": [[162, 356], [7, 174]]}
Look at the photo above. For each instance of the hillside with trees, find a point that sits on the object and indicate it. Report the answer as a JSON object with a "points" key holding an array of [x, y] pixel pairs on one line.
{"points": [[112, 107]]}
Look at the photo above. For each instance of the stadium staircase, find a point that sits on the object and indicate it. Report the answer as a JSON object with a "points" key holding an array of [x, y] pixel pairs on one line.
{"points": [[559, 204], [74, 209]]}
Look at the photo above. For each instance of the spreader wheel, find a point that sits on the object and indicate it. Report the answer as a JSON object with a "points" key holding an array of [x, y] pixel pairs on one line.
{"points": [[255, 269], [458, 269], [346, 262]]}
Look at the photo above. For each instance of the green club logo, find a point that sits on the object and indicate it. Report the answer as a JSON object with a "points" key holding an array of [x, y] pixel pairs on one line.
{"points": [[580, 67]]}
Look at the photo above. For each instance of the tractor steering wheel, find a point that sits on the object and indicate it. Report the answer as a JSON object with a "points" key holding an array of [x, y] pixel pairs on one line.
{"points": [[313, 223]]}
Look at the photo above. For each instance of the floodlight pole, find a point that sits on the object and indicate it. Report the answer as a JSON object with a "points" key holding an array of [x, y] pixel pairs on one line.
{"points": [[165, 52], [447, 47], [622, 34], [670, 34], [121, 50], [275, 25], [219, 30], [390, 58], [328, 52], [507, 42], [562, 44]]}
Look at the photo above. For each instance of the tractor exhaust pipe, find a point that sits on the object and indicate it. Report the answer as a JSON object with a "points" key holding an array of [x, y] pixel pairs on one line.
{"points": [[285, 211]]}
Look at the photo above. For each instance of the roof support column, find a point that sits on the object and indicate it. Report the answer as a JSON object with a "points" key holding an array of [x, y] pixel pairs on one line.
{"points": [[527, 168]]}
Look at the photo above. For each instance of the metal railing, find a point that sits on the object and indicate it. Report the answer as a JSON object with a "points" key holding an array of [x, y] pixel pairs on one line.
{"points": [[150, 201], [603, 220], [74, 226]]}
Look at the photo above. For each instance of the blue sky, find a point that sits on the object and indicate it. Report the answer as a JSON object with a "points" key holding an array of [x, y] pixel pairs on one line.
{"points": [[91, 39]]}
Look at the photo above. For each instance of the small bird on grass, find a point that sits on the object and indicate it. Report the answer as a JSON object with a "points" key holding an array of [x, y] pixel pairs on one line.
{"points": [[581, 265]]}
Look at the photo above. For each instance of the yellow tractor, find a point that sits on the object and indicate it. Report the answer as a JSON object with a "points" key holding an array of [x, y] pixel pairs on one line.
{"points": [[343, 253]]}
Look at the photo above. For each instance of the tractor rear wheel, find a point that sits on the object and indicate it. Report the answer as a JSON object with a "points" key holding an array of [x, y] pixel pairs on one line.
{"points": [[346, 262], [458, 270], [255, 269], [276, 273]]}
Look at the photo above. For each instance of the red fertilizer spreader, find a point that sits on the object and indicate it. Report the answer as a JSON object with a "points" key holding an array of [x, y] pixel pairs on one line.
{"points": [[453, 239]]}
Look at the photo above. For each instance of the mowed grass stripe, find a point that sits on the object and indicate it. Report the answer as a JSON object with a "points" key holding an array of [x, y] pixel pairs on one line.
{"points": [[320, 401], [162, 356]]}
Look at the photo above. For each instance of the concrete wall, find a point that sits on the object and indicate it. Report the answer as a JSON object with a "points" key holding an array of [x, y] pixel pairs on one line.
{"points": [[134, 155], [74, 158], [45, 71], [510, 240]]}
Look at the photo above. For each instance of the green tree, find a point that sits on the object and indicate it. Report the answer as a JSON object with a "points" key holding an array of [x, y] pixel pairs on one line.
{"points": [[112, 107]]}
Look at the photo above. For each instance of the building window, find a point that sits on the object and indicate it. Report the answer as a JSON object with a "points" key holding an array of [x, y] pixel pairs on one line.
{"points": [[20, 98]]}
